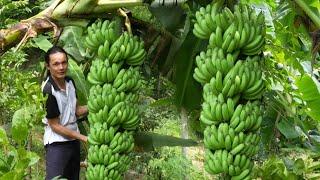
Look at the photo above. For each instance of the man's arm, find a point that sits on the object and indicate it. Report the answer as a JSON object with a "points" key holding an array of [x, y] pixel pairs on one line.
{"points": [[58, 128]]}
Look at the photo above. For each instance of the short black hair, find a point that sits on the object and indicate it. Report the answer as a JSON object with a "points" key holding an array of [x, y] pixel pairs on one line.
{"points": [[52, 50]]}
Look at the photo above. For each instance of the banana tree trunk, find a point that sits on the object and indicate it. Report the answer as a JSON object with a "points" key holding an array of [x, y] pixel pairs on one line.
{"points": [[53, 18]]}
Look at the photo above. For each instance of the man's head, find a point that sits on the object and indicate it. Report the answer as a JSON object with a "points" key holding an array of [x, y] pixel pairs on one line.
{"points": [[57, 62]]}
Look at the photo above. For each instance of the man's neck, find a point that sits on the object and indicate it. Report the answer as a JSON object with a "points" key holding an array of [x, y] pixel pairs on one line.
{"points": [[60, 82]]}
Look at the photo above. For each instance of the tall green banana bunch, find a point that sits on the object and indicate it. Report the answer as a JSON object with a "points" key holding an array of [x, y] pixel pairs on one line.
{"points": [[230, 72], [113, 112]]}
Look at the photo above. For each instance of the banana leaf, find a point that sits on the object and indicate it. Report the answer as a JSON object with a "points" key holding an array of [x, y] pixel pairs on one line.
{"points": [[189, 93], [148, 141], [82, 86], [309, 91]]}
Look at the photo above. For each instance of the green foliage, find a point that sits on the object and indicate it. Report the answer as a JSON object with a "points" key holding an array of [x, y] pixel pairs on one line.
{"points": [[288, 53], [142, 13], [20, 124], [295, 164], [12, 11], [21, 105], [148, 141], [287, 43], [72, 41], [188, 90], [289, 104], [166, 162], [76, 72], [172, 165], [14, 160], [309, 91], [157, 103], [182, 50], [288, 50], [289, 129], [17, 83], [151, 116], [274, 168], [171, 18], [41, 42]]}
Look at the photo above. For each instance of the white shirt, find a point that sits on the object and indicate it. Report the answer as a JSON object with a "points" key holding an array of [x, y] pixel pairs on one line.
{"points": [[60, 104]]}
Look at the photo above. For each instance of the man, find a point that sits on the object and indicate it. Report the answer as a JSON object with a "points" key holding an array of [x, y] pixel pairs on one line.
{"points": [[61, 136]]}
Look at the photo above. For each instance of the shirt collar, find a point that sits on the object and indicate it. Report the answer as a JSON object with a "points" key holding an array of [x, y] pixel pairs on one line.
{"points": [[55, 86]]}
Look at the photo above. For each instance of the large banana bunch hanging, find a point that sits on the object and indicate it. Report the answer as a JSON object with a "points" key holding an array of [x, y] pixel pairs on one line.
{"points": [[100, 33], [232, 86], [113, 98]]}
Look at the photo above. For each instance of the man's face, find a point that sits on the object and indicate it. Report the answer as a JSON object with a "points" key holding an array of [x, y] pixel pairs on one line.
{"points": [[58, 65]]}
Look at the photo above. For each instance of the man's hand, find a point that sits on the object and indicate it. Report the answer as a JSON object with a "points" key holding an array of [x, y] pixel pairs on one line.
{"points": [[81, 111], [84, 138]]}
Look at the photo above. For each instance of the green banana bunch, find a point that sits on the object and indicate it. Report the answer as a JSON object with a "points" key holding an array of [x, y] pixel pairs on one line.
{"points": [[128, 80], [107, 96], [206, 20], [228, 86], [242, 31], [246, 117], [128, 48], [102, 72], [98, 172], [135, 52], [99, 154], [226, 137], [231, 112], [228, 41], [99, 97], [100, 32], [99, 116], [253, 84], [221, 161], [256, 89], [105, 156], [216, 109], [122, 142], [96, 103], [132, 97], [132, 121], [210, 62], [104, 50], [107, 143], [239, 79], [124, 162], [100, 134], [101, 172], [118, 49], [126, 114], [122, 113], [113, 98], [252, 31]]}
